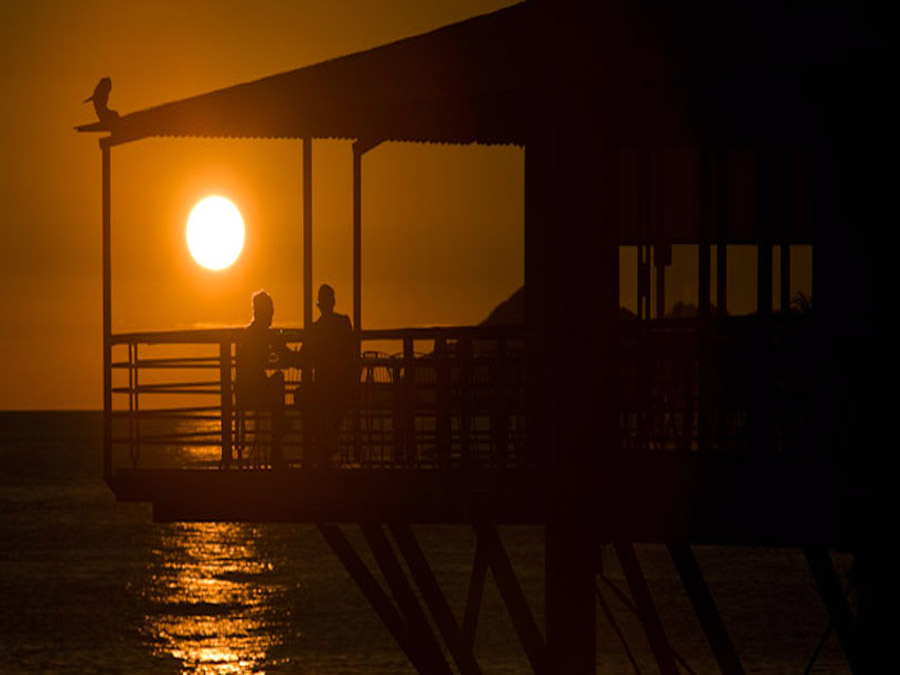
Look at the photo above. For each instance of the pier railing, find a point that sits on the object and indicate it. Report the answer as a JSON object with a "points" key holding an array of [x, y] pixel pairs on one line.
{"points": [[455, 397], [426, 398]]}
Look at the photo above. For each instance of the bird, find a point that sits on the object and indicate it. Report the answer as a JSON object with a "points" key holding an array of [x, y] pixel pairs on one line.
{"points": [[100, 97]]}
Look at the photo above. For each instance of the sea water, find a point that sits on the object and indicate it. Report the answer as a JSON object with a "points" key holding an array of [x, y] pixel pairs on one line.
{"points": [[91, 585]]}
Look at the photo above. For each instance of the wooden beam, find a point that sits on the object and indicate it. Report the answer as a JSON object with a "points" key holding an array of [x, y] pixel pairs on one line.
{"points": [[607, 611], [225, 399], [704, 334], [459, 647], [705, 608], [357, 236], [570, 591], [523, 621], [706, 216], [419, 628], [835, 601], [307, 233], [106, 201], [475, 593], [785, 223], [373, 592], [721, 217], [646, 610], [765, 216]]}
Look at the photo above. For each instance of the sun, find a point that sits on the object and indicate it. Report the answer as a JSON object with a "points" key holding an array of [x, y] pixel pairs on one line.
{"points": [[215, 233]]}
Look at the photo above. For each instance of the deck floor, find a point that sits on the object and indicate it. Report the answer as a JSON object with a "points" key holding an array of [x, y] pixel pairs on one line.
{"points": [[663, 497]]}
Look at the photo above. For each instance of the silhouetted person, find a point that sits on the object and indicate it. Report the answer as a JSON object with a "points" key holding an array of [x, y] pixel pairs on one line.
{"points": [[100, 97], [328, 352], [260, 349]]}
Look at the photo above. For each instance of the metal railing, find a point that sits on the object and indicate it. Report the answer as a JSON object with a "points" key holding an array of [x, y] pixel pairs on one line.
{"points": [[426, 398], [455, 397]]}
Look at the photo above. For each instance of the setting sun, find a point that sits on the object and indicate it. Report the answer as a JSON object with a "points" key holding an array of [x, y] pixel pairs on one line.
{"points": [[215, 233]]}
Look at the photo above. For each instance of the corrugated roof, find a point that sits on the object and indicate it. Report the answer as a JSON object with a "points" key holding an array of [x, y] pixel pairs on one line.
{"points": [[459, 84], [648, 74]]}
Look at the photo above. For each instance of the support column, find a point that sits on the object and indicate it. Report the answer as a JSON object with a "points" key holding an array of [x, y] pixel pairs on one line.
{"points": [[357, 236], [646, 609], [721, 217], [107, 310], [785, 227], [307, 233], [829, 585], [704, 333], [705, 608], [225, 399]]}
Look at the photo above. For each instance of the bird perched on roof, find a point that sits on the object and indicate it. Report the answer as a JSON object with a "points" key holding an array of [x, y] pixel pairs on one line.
{"points": [[100, 97]]}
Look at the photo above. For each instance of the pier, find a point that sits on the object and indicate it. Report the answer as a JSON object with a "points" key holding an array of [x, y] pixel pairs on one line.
{"points": [[598, 425]]}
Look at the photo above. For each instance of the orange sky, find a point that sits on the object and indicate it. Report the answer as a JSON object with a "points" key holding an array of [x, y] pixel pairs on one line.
{"points": [[460, 209]]}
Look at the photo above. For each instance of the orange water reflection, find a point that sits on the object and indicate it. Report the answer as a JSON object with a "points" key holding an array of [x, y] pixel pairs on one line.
{"points": [[211, 594]]}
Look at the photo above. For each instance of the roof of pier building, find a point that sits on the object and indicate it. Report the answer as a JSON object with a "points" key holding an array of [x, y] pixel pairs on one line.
{"points": [[658, 75], [658, 78]]}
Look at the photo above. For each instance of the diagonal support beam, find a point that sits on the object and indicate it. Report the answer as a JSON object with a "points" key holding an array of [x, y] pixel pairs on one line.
{"points": [[419, 628], [646, 610], [376, 596], [838, 608], [511, 592], [705, 608], [476, 592], [434, 598], [607, 611]]}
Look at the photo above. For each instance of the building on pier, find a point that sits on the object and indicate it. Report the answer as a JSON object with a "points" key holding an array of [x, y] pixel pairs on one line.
{"points": [[642, 130]]}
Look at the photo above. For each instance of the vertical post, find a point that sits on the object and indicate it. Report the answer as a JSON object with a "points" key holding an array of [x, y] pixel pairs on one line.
{"points": [[131, 361], [307, 232], [137, 407], [225, 386], [721, 238], [785, 214], [357, 285], [409, 399], [643, 248], [646, 610], [107, 312], [704, 380], [763, 418], [661, 257], [765, 161], [662, 249], [705, 608], [357, 236], [706, 200]]}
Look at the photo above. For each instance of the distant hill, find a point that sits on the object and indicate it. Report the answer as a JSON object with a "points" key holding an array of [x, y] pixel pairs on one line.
{"points": [[511, 312]]}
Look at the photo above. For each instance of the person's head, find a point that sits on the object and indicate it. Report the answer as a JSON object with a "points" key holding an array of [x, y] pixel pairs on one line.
{"points": [[325, 301], [263, 307]]}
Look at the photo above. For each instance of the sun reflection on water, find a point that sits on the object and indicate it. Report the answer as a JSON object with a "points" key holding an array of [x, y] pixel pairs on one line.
{"points": [[211, 591]]}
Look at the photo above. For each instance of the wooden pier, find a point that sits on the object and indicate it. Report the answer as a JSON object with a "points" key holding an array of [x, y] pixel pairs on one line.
{"points": [[641, 129]]}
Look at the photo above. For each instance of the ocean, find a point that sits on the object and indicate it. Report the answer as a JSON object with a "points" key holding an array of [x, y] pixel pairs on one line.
{"points": [[91, 585]]}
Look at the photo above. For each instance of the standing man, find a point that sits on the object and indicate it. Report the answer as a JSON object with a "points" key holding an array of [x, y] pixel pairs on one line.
{"points": [[328, 352], [260, 349]]}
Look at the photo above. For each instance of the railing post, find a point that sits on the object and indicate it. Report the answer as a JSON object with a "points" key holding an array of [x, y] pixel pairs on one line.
{"points": [[226, 391], [409, 402], [307, 233], [464, 368], [442, 401], [704, 371], [137, 406], [499, 404], [131, 393]]}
